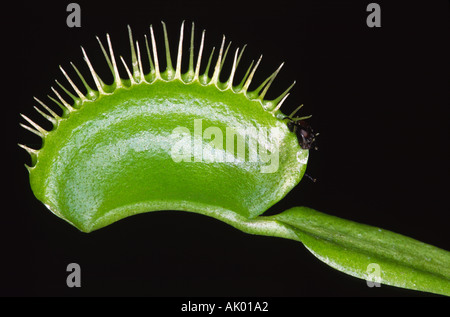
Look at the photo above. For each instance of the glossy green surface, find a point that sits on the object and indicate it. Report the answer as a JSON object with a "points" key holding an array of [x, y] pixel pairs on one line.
{"points": [[112, 157]]}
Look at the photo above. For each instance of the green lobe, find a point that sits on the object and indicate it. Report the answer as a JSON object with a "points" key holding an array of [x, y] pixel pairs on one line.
{"points": [[114, 157]]}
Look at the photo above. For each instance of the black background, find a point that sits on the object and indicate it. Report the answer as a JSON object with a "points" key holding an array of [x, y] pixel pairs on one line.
{"points": [[379, 98]]}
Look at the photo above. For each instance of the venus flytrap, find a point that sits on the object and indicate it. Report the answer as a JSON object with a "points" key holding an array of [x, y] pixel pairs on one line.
{"points": [[127, 148]]}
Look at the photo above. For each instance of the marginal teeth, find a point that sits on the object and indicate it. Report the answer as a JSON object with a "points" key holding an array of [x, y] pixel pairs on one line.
{"points": [[233, 70], [141, 71], [240, 55], [204, 77], [199, 58], [295, 111], [29, 150], [93, 73], [136, 74], [180, 53], [278, 106], [134, 62], [66, 91], [215, 77], [249, 79], [272, 78], [278, 100], [152, 67], [37, 128], [169, 68], [225, 55], [244, 79], [117, 79], [46, 116], [108, 60], [77, 91], [128, 71], [155, 54], [48, 109], [31, 130], [191, 52], [90, 92], [69, 107]]}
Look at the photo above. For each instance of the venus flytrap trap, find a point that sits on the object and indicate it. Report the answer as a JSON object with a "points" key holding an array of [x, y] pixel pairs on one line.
{"points": [[167, 140]]}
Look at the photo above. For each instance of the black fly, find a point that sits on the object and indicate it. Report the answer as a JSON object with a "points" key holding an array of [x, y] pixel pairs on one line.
{"points": [[305, 134]]}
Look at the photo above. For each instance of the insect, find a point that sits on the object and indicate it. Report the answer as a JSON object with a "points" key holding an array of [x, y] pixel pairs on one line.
{"points": [[304, 132]]}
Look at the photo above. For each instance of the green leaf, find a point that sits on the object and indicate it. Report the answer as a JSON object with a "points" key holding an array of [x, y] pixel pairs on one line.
{"points": [[353, 248], [356, 249]]}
